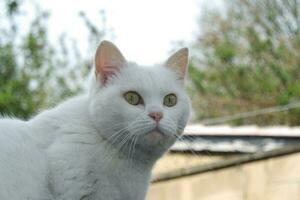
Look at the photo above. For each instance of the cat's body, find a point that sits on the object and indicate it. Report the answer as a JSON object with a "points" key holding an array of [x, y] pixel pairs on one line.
{"points": [[95, 146], [67, 162]]}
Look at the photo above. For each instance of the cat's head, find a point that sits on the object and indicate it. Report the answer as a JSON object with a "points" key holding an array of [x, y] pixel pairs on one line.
{"points": [[145, 108]]}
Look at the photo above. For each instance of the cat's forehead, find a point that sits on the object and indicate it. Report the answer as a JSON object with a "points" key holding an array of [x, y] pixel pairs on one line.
{"points": [[149, 78]]}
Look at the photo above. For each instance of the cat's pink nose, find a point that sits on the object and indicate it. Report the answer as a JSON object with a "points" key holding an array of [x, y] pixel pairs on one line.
{"points": [[156, 116]]}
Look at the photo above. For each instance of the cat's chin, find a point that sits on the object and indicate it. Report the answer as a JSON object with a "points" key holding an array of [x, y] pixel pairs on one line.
{"points": [[155, 142], [155, 136]]}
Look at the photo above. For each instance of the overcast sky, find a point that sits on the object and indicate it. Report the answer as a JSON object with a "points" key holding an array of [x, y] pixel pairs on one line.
{"points": [[144, 30]]}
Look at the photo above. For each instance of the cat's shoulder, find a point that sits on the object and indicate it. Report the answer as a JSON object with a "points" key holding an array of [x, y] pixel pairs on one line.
{"points": [[6, 122]]}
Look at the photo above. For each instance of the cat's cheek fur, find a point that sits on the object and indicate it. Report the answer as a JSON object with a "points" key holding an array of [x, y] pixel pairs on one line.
{"points": [[114, 110]]}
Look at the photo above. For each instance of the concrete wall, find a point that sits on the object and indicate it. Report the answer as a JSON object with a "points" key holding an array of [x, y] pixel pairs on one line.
{"points": [[271, 179], [176, 161]]}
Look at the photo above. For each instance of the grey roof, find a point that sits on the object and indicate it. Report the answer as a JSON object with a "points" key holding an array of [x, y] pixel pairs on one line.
{"points": [[223, 130], [226, 139]]}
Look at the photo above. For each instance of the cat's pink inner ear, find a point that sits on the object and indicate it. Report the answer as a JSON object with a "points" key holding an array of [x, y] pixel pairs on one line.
{"points": [[109, 60], [179, 62]]}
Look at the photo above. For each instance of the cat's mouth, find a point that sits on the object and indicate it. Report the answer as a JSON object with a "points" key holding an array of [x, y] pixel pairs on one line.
{"points": [[156, 130], [155, 135]]}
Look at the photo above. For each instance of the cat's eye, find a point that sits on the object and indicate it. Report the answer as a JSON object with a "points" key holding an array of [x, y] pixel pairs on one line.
{"points": [[133, 98], [170, 100]]}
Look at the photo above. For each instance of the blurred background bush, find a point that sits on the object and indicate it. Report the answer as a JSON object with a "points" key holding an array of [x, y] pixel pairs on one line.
{"points": [[248, 58], [244, 58], [34, 73]]}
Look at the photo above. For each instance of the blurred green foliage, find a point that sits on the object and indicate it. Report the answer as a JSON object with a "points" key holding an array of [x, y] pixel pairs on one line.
{"points": [[248, 58], [33, 73]]}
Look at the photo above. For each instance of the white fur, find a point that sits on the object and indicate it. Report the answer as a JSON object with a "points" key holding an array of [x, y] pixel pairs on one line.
{"points": [[69, 153]]}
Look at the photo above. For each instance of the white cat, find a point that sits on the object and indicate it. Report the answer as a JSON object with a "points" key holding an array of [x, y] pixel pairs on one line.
{"points": [[99, 146]]}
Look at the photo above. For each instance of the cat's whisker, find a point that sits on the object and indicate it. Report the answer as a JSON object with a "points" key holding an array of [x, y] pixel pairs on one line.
{"points": [[120, 140], [182, 127], [116, 135], [139, 127], [122, 130], [118, 147], [134, 144], [121, 124], [180, 138], [124, 141], [130, 146], [171, 126], [115, 139], [189, 147], [115, 126], [131, 149]]}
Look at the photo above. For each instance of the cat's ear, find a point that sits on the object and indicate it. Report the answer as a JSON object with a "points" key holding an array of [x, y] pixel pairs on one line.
{"points": [[109, 60], [179, 62]]}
